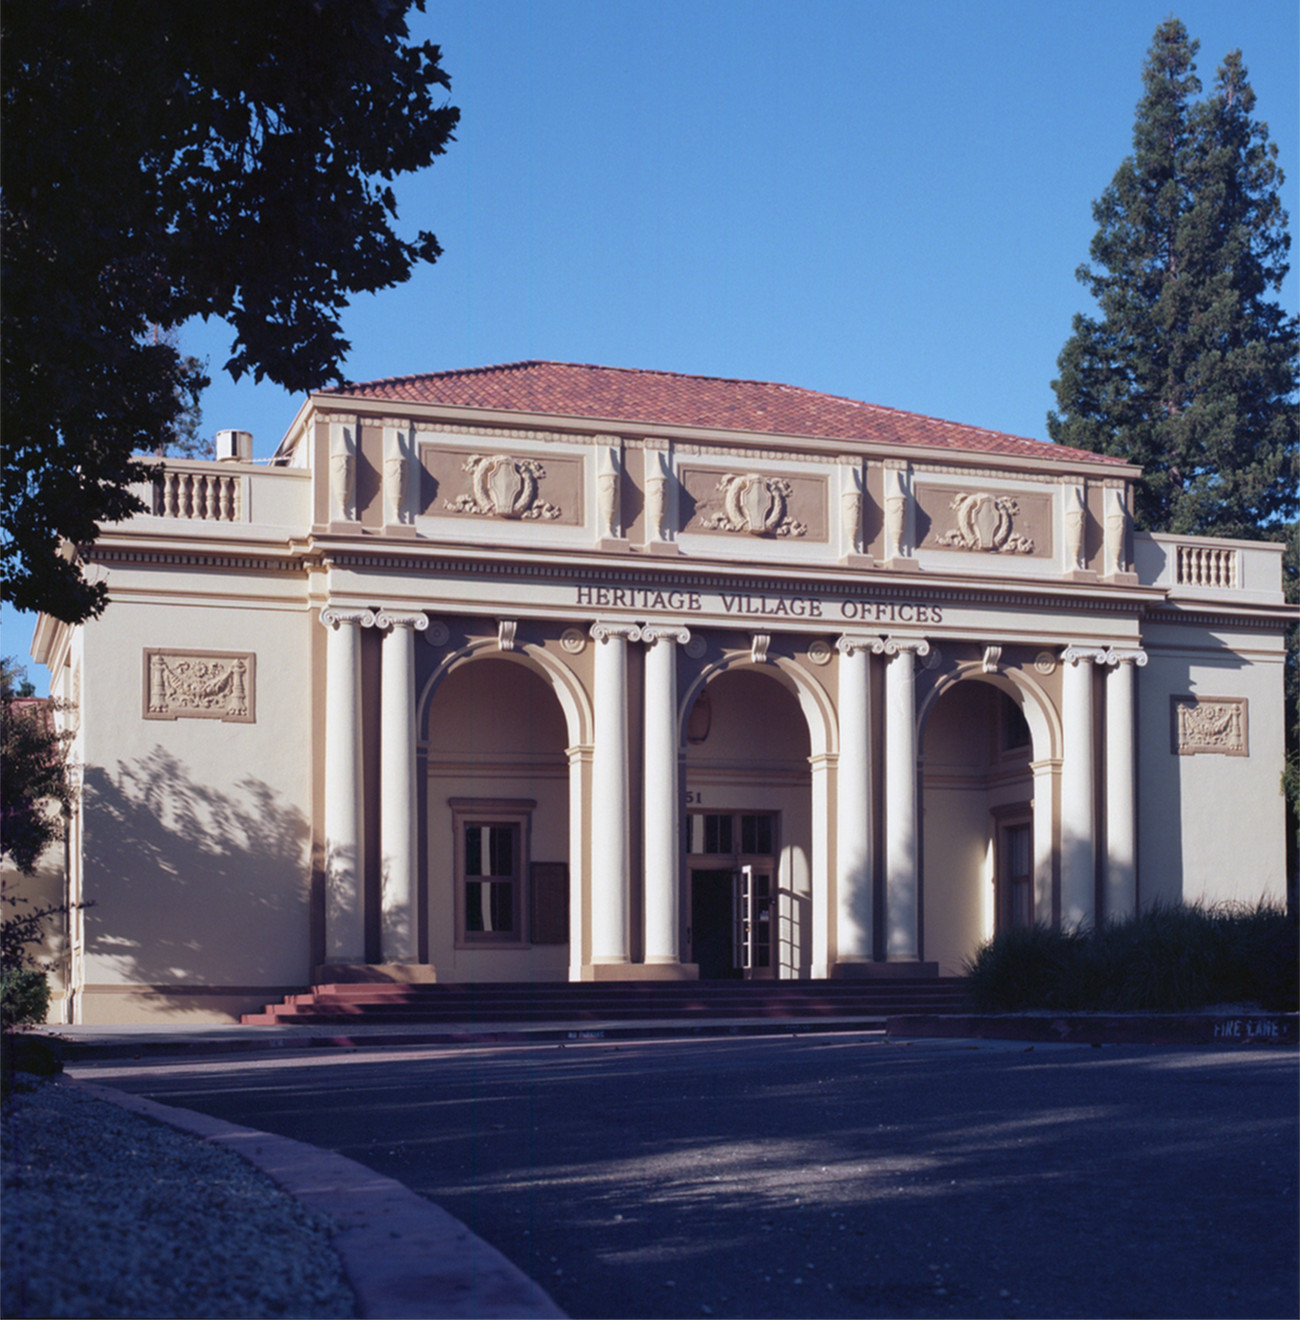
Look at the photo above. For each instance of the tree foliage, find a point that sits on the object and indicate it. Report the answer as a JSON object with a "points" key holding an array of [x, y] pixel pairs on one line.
{"points": [[35, 793], [1190, 366], [163, 161]]}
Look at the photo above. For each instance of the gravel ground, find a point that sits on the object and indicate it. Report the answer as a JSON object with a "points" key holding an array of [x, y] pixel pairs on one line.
{"points": [[104, 1213]]}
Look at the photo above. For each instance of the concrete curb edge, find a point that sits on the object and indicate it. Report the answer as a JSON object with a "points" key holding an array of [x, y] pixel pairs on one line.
{"points": [[1225, 1029], [405, 1257]]}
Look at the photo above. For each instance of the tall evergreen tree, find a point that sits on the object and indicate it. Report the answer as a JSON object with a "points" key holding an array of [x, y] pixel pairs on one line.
{"points": [[1190, 367]]}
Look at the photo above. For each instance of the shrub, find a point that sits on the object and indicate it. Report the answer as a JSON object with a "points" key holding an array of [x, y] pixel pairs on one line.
{"points": [[1167, 958], [24, 997]]}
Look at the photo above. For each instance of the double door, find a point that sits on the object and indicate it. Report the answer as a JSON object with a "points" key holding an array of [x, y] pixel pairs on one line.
{"points": [[734, 905]]}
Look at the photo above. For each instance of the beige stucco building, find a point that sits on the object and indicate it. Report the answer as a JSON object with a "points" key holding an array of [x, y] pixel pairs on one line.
{"points": [[546, 672]]}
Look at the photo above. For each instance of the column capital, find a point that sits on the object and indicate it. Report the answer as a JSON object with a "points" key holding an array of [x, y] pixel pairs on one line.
{"points": [[604, 630], [418, 621], [1073, 654], [332, 617], [895, 645], [1118, 655], [665, 632], [851, 644]]}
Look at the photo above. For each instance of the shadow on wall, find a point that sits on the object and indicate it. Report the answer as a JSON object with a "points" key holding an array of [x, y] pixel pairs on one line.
{"points": [[192, 884]]}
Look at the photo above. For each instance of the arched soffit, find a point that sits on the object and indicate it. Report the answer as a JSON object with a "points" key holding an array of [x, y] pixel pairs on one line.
{"points": [[818, 710], [562, 681], [1041, 716]]}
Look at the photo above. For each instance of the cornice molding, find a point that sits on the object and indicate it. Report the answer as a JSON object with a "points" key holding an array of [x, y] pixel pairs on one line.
{"points": [[290, 563]]}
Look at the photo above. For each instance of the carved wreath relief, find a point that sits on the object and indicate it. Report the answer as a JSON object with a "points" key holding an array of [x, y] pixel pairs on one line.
{"points": [[984, 522], [756, 504], [199, 685], [503, 487], [1210, 724]]}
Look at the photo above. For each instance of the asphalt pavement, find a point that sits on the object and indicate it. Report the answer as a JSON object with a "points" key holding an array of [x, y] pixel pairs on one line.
{"points": [[817, 1175]]}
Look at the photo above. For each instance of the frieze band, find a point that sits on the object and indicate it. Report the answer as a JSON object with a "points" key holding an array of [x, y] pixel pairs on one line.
{"points": [[742, 604]]}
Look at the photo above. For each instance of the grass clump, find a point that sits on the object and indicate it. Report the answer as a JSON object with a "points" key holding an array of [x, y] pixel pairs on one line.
{"points": [[1168, 958]]}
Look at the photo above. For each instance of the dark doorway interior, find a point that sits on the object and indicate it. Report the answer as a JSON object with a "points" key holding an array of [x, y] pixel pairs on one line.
{"points": [[711, 923]]}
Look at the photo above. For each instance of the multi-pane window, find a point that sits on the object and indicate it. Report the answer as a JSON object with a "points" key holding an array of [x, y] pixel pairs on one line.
{"points": [[756, 835], [491, 879], [491, 869], [730, 834], [1016, 878]]}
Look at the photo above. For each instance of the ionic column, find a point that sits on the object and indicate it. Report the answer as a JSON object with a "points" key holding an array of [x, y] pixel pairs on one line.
{"points": [[1120, 895], [902, 880], [662, 814], [397, 846], [853, 862], [609, 832], [1078, 797], [821, 766], [579, 858], [345, 926]]}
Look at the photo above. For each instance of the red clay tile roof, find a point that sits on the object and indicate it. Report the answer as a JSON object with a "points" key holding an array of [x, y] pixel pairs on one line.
{"points": [[620, 395]]}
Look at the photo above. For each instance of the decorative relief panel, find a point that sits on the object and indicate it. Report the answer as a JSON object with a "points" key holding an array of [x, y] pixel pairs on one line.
{"points": [[1210, 724], [989, 521], [199, 685], [752, 504], [756, 504], [984, 522], [506, 486]]}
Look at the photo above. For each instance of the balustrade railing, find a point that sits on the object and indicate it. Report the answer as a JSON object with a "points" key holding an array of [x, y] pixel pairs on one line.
{"points": [[1207, 566], [203, 496]]}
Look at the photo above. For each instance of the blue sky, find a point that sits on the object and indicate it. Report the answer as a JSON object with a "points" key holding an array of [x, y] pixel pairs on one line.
{"points": [[881, 200]]}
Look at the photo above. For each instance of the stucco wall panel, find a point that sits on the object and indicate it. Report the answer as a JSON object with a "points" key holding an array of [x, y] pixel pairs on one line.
{"points": [[196, 831], [1210, 826]]}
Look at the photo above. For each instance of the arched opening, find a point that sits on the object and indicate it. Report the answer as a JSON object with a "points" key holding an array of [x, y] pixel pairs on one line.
{"points": [[977, 821], [747, 901], [496, 823]]}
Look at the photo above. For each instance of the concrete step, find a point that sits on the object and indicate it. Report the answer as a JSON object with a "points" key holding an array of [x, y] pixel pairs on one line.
{"points": [[387, 1003]]}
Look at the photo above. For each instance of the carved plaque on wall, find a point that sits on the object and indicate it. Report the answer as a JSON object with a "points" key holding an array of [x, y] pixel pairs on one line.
{"points": [[1209, 724], [502, 485], [199, 685], [991, 521], [753, 504]]}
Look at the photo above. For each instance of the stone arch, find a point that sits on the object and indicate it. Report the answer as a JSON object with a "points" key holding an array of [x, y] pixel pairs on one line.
{"points": [[814, 701], [778, 771], [963, 881], [569, 691], [1040, 712]]}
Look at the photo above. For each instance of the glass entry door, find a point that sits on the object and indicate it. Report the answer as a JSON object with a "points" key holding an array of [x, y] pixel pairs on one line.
{"points": [[752, 912], [734, 907]]}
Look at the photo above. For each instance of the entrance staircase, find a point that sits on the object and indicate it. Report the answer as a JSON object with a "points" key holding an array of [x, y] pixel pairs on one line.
{"points": [[852, 1003]]}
